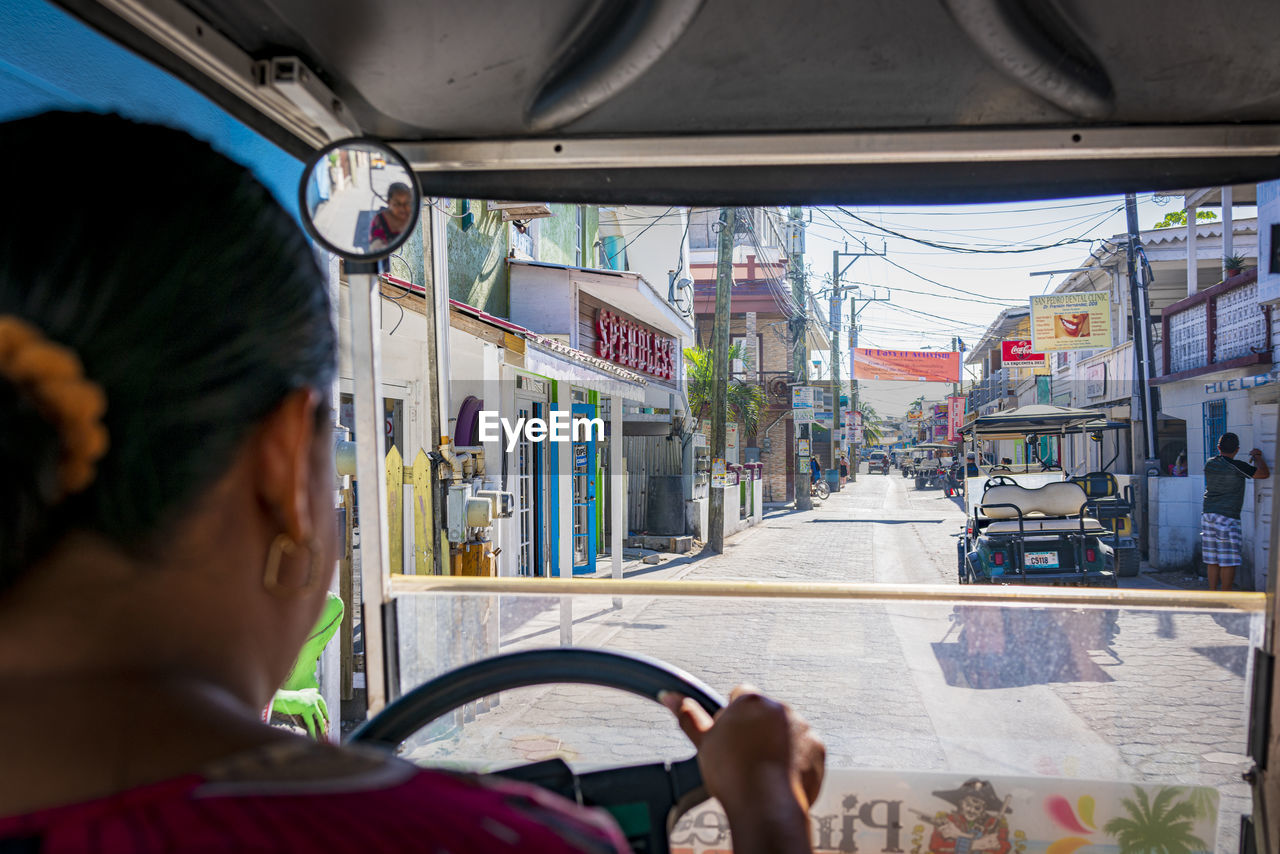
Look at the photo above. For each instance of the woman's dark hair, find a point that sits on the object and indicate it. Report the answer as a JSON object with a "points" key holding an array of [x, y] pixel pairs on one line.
{"points": [[399, 189], [188, 293]]}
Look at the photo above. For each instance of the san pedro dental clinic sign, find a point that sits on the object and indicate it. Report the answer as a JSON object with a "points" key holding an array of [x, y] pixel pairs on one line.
{"points": [[627, 343]]}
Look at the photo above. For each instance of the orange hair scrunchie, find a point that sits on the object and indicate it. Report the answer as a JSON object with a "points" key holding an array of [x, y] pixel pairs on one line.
{"points": [[53, 377]]}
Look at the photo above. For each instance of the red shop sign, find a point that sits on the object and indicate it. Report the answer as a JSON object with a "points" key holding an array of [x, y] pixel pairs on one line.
{"points": [[629, 344]]}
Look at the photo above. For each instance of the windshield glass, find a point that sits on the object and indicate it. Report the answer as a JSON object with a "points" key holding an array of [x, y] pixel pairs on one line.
{"points": [[1061, 708], [989, 353]]}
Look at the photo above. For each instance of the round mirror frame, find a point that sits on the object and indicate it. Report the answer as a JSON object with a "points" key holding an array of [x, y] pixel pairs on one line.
{"points": [[392, 156]]}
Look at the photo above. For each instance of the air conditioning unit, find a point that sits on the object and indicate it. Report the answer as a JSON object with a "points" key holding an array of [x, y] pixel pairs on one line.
{"points": [[520, 210]]}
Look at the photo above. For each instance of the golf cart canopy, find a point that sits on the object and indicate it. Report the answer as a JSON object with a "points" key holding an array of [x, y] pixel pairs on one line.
{"points": [[710, 101], [1035, 418]]}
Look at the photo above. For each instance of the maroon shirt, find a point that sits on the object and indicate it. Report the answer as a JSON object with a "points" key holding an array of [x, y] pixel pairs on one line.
{"points": [[323, 800]]}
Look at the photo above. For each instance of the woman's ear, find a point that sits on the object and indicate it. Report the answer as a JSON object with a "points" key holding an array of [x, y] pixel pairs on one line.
{"points": [[285, 441]]}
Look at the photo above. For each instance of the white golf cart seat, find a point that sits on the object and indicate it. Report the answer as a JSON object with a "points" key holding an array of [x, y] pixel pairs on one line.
{"points": [[1054, 507]]}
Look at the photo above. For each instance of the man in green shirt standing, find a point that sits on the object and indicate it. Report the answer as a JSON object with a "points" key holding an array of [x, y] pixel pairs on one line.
{"points": [[1224, 478]]}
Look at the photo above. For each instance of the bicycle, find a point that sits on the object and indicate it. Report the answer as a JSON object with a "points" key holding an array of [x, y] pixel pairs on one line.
{"points": [[819, 489]]}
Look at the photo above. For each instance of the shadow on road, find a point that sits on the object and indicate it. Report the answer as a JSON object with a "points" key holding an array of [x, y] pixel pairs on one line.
{"points": [[1230, 658], [1013, 648], [878, 521]]}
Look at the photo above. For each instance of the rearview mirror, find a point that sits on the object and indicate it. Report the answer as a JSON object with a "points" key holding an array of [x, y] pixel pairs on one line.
{"points": [[359, 199]]}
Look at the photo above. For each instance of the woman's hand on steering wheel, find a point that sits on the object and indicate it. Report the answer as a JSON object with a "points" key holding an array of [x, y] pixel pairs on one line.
{"points": [[751, 744]]}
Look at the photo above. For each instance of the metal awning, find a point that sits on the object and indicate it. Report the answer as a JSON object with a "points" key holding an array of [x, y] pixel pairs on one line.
{"points": [[554, 360], [628, 292]]}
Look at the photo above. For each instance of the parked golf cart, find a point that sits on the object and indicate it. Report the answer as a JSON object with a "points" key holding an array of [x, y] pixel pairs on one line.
{"points": [[930, 472], [1036, 535], [1066, 535], [907, 462]]}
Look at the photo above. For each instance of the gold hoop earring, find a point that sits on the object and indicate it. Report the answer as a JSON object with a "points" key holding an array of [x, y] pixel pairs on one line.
{"points": [[281, 546]]}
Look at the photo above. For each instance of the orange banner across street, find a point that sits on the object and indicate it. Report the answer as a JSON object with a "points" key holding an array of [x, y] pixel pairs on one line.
{"points": [[926, 366]]}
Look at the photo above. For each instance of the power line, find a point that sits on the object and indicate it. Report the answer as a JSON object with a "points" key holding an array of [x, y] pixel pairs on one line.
{"points": [[995, 210], [952, 323], [625, 243], [974, 250], [986, 229], [901, 267]]}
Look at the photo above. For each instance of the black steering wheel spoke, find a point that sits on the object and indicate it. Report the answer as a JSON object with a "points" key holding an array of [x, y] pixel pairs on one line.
{"points": [[644, 799]]}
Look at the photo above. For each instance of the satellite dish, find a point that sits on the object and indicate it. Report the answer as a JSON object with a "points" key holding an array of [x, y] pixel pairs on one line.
{"points": [[682, 296]]}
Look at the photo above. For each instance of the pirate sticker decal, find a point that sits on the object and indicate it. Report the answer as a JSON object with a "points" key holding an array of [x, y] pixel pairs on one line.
{"points": [[891, 813]]}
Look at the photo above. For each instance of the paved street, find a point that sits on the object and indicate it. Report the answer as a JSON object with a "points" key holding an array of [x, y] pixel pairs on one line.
{"points": [[1087, 693]]}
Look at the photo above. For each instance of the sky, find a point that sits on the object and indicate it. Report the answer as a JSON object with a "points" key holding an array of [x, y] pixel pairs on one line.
{"points": [[966, 289]]}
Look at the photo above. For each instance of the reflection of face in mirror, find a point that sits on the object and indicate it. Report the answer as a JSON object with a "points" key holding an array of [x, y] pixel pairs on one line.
{"points": [[393, 219], [360, 199]]}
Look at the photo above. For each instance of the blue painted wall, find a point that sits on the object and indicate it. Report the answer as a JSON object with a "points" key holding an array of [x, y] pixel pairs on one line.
{"points": [[50, 61]]}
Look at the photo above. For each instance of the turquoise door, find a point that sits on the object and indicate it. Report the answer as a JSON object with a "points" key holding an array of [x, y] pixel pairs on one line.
{"points": [[583, 489]]}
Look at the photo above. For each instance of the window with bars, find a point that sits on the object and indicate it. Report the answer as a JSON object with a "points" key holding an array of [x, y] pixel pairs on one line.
{"points": [[1215, 424]]}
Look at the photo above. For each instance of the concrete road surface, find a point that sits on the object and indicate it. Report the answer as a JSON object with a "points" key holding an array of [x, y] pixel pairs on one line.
{"points": [[1083, 693]]}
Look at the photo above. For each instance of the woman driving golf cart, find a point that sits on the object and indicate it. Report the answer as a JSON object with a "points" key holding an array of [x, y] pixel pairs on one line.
{"points": [[167, 540]]}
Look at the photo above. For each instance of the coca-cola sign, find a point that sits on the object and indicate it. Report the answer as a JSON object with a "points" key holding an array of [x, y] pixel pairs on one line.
{"points": [[1018, 354], [634, 346]]}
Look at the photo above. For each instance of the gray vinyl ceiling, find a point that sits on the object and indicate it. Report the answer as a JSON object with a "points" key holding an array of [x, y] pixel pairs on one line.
{"points": [[484, 70]]}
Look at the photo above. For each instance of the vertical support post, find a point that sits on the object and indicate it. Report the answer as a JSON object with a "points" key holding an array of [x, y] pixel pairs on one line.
{"points": [[617, 492], [1228, 228], [371, 485], [799, 349], [1211, 329], [835, 363], [720, 365], [1141, 330], [955, 348], [1193, 269], [346, 589], [853, 391], [1164, 341], [438, 224]]}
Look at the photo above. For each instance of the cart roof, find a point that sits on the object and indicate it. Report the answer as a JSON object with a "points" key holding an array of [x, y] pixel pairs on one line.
{"points": [[1034, 418], [707, 101]]}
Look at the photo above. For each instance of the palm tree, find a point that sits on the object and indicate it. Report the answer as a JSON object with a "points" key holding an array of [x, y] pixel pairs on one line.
{"points": [[1157, 826], [743, 400], [871, 433]]}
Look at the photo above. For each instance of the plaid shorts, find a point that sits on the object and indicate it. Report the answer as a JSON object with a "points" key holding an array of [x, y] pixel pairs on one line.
{"points": [[1220, 537]]}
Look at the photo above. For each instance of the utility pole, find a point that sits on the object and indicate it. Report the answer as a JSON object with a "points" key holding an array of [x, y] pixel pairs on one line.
{"points": [[955, 348], [837, 350], [799, 352], [1141, 327], [720, 363]]}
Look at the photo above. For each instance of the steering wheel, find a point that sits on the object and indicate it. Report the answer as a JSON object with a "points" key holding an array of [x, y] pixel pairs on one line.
{"points": [[1001, 467], [998, 480], [668, 789]]}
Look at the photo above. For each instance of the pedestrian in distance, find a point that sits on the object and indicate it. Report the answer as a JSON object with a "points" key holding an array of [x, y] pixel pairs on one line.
{"points": [[971, 465], [1224, 480]]}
